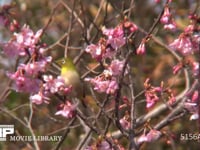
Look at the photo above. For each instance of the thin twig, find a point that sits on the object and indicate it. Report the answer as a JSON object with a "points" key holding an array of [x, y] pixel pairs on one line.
{"points": [[91, 26], [69, 29], [132, 145], [74, 13], [28, 121], [65, 134], [13, 116], [50, 18], [130, 8], [118, 95]]}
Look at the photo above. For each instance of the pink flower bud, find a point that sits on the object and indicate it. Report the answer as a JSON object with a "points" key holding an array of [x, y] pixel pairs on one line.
{"points": [[166, 16], [141, 49]]}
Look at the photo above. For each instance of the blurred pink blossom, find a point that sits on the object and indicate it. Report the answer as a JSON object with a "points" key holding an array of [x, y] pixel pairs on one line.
{"points": [[22, 43], [108, 86], [39, 99], [55, 85], [125, 123], [12, 49], [192, 105], [195, 68], [104, 145], [166, 16], [36, 67], [23, 83], [116, 67], [66, 110], [27, 38], [170, 26], [183, 44], [95, 51], [153, 135], [151, 93], [186, 43], [115, 37]]}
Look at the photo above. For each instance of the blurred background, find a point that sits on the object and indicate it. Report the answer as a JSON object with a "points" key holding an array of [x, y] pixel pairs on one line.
{"points": [[156, 64]]}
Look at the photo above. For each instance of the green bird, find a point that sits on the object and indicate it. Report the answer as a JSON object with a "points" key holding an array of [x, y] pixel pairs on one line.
{"points": [[71, 76]]}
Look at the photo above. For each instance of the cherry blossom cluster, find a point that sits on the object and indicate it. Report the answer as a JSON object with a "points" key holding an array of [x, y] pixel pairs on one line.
{"points": [[187, 45], [167, 20], [154, 94], [6, 18], [107, 81], [55, 86], [193, 65], [188, 41], [24, 44], [108, 47], [30, 77], [114, 39]]}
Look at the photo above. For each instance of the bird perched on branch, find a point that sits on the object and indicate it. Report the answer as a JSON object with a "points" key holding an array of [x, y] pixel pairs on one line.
{"points": [[71, 76]]}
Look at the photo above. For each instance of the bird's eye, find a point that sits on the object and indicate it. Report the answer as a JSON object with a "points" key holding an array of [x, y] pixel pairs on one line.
{"points": [[63, 61]]}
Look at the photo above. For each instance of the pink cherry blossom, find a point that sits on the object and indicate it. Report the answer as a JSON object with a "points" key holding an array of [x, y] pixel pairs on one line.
{"points": [[189, 29], [152, 93], [157, 1], [151, 99], [104, 145], [101, 85], [153, 135], [170, 26], [115, 37], [125, 123], [55, 85], [166, 16], [185, 44], [113, 32], [27, 38], [195, 68], [67, 110], [22, 43], [116, 42], [39, 99], [116, 67], [34, 68], [104, 82], [23, 83], [95, 50], [12, 49], [130, 26]]}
